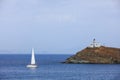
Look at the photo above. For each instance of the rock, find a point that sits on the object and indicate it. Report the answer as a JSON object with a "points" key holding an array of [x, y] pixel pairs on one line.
{"points": [[99, 55]]}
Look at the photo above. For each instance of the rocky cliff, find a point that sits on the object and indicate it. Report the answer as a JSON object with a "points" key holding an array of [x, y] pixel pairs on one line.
{"points": [[102, 55]]}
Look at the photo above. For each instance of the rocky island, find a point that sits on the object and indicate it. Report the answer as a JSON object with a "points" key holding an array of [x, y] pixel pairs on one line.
{"points": [[96, 54]]}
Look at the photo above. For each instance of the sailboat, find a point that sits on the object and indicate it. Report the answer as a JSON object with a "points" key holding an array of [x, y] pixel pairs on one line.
{"points": [[33, 64]]}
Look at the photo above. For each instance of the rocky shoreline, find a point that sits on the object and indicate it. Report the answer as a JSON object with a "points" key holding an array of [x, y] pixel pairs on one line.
{"points": [[96, 55]]}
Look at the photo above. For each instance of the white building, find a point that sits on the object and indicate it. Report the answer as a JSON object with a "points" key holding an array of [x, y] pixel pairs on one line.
{"points": [[94, 44]]}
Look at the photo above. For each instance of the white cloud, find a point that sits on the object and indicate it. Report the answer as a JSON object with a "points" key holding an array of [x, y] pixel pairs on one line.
{"points": [[55, 18]]}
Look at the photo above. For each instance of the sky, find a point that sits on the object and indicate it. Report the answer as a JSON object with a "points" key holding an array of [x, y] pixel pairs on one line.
{"points": [[57, 26]]}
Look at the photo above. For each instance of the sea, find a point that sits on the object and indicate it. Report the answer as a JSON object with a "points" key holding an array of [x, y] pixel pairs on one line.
{"points": [[50, 67]]}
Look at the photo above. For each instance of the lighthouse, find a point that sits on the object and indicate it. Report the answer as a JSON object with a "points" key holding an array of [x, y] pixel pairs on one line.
{"points": [[94, 44]]}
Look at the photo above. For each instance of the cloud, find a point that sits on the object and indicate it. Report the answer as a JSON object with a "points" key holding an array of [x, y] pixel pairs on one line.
{"points": [[55, 18]]}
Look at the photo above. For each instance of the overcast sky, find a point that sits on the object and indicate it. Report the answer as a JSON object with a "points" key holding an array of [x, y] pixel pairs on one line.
{"points": [[58, 26]]}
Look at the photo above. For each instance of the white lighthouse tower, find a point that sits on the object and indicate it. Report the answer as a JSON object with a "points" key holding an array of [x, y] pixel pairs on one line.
{"points": [[94, 44]]}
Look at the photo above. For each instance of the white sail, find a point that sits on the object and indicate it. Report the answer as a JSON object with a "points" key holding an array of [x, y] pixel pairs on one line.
{"points": [[33, 57], [32, 65]]}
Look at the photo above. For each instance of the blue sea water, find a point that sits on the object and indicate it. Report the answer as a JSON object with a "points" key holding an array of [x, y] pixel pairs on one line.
{"points": [[13, 67]]}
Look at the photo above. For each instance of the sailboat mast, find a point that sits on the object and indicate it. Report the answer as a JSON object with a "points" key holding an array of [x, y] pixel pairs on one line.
{"points": [[33, 57]]}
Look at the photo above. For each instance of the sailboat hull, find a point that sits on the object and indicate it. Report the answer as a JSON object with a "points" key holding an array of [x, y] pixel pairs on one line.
{"points": [[32, 66]]}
